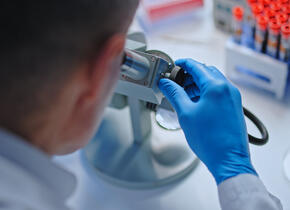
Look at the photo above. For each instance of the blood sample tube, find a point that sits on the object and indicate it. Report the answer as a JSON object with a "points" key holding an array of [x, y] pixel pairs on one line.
{"points": [[257, 9], [238, 15], [248, 12], [273, 38], [285, 43], [261, 33]]}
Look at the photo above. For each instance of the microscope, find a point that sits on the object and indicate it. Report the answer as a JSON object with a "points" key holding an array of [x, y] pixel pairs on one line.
{"points": [[139, 143]]}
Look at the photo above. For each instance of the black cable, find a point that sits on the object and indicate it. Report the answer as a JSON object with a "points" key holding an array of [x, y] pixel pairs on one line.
{"points": [[261, 127]]}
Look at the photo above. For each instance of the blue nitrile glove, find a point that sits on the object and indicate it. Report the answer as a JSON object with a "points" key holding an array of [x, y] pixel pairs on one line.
{"points": [[212, 119]]}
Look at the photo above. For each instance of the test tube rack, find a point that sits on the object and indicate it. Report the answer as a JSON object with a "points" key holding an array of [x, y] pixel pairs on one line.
{"points": [[222, 12], [247, 66]]}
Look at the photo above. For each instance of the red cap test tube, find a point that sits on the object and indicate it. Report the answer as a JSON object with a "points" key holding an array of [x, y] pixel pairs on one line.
{"points": [[273, 38], [248, 13], [285, 43], [257, 9], [261, 31], [269, 21], [238, 16]]}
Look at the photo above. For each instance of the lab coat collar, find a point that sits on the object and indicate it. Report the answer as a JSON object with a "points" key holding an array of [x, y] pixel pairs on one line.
{"points": [[37, 163]]}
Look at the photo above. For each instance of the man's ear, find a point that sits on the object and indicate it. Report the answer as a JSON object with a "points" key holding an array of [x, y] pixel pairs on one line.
{"points": [[101, 65], [113, 48]]}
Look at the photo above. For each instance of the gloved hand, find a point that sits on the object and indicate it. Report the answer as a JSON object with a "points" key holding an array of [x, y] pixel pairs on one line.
{"points": [[213, 123]]}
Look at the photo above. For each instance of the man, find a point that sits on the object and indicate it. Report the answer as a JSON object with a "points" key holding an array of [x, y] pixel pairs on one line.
{"points": [[59, 63]]}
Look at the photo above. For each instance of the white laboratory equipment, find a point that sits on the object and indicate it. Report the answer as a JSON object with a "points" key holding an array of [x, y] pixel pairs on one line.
{"points": [[131, 149], [249, 67]]}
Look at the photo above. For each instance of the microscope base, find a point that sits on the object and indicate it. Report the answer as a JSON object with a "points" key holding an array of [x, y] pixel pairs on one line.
{"points": [[161, 159]]}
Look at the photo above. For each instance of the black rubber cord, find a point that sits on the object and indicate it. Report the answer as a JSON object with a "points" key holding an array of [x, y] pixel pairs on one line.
{"points": [[261, 127]]}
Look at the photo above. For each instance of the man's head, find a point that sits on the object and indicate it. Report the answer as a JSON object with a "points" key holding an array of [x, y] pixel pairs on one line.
{"points": [[59, 62]]}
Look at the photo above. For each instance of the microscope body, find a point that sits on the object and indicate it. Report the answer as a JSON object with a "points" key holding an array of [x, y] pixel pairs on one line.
{"points": [[144, 89], [131, 149]]}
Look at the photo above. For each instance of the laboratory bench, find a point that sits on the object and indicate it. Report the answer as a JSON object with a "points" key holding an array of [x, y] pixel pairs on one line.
{"points": [[200, 40]]}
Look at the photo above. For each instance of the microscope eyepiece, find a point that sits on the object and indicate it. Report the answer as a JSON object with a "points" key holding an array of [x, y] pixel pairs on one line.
{"points": [[134, 65]]}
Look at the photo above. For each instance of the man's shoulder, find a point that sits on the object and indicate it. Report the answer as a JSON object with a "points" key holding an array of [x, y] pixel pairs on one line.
{"points": [[20, 188], [13, 178], [16, 185]]}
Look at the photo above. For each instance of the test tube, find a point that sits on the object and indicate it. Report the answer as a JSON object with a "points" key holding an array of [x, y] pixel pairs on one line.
{"points": [[273, 38], [285, 43], [261, 33], [248, 12], [257, 9], [238, 15]]}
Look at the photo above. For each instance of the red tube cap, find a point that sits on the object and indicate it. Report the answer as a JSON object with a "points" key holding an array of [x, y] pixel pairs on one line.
{"points": [[274, 26], [257, 9], [270, 13], [282, 17], [238, 12], [262, 22], [266, 3], [276, 6], [285, 29], [286, 10]]}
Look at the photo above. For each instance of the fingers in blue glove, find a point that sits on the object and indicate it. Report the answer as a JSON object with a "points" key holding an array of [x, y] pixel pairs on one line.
{"points": [[192, 91], [175, 94], [214, 126], [200, 74]]}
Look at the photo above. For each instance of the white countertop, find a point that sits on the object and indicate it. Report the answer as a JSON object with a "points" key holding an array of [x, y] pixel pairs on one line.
{"points": [[201, 41]]}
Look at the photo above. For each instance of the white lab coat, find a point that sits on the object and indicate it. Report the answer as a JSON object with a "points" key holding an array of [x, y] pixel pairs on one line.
{"points": [[246, 192], [29, 180]]}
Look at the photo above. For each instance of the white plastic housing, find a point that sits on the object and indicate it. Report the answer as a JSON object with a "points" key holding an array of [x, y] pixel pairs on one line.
{"points": [[246, 65]]}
